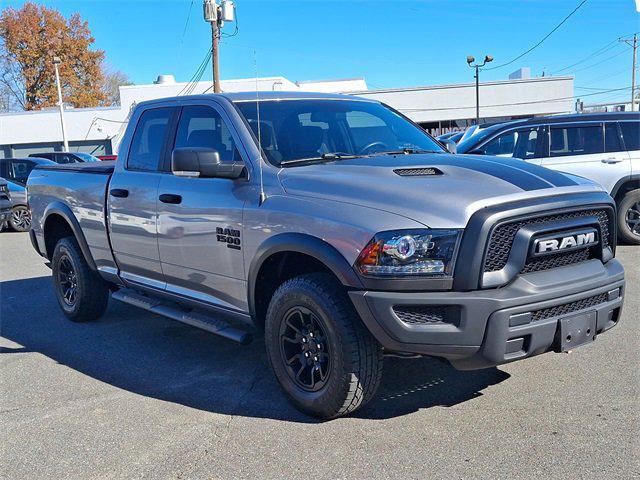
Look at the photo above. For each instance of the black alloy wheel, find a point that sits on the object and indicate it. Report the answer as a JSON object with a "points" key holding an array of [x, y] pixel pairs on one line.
{"points": [[304, 349]]}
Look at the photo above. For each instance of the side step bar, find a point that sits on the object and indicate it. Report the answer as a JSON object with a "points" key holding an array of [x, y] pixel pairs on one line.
{"points": [[195, 319]]}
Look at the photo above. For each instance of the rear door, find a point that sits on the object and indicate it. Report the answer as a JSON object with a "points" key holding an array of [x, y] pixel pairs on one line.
{"points": [[631, 139], [200, 219], [133, 197], [581, 149], [522, 143]]}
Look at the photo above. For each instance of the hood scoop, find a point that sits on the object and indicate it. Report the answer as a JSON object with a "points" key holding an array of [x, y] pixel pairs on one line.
{"points": [[418, 172]]}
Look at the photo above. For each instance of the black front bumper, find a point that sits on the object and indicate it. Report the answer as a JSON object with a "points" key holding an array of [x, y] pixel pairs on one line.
{"points": [[483, 328]]}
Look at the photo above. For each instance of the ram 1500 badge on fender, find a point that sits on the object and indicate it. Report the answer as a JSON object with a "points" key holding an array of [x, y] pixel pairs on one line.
{"points": [[348, 233]]}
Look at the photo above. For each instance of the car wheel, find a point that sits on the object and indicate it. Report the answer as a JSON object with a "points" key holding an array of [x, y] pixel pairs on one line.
{"points": [[629, 217], [324, 358], [20, 219], [82, 294]]}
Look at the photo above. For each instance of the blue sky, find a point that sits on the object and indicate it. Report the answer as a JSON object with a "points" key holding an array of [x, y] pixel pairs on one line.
{"points": [[390, 43]]}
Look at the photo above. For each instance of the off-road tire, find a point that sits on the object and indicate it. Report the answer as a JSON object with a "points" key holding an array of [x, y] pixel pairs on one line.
{"points": [[355, 356], [624, 232], [92, 292]]}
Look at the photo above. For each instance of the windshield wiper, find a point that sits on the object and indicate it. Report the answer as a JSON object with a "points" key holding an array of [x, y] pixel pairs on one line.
{"points": [[325, 157], [406, 151]]}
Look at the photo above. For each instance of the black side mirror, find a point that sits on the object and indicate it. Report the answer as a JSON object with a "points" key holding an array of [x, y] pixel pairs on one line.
{"points": [[203, 162], [451, 146]]}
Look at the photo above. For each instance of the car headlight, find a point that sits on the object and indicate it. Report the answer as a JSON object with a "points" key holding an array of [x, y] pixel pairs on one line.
{"points": [[404, 253]]}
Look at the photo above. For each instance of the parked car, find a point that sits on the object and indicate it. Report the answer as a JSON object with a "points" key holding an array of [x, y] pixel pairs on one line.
{"points": [[66, 157], [604, 147], [5, 203], [453, 136], [345, 231], [16, 171]]}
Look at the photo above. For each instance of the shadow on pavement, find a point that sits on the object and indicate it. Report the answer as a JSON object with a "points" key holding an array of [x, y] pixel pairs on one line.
{"points": [[156, 357]]}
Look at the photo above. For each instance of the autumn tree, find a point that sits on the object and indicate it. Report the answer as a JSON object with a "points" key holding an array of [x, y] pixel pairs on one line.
{"points": [[29, 39], [113, 79]]}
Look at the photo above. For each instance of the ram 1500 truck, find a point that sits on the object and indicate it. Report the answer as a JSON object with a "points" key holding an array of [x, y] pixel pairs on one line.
{"points": [[339, 227]]}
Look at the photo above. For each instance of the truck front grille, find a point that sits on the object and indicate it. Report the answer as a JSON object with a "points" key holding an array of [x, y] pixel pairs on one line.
{"points": [[502, 237], [568, 308]]}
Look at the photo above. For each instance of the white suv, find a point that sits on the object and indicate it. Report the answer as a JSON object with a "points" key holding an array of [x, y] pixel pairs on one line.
{"points": [[604, 147]]}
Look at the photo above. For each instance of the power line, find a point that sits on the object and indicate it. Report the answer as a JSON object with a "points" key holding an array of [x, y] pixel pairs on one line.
{"points": [[598, 52], [543, 38], [195, 78], [601, 61]]}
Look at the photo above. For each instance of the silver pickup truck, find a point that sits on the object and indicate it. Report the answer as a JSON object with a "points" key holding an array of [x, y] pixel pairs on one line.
{"points": [[338, 227]]}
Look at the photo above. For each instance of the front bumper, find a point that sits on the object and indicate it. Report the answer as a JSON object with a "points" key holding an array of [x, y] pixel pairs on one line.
{"points": [[5, 215], [489, 327]]}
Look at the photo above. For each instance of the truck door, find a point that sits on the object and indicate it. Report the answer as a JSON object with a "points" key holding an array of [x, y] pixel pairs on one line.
{"points": [[200, 219], [133, 197]]}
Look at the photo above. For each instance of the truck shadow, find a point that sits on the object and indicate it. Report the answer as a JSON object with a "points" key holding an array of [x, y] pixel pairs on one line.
{"points": [[156, 357]]}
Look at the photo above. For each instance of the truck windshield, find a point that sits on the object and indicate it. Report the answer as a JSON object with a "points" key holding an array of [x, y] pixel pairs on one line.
{"points": [[328, 130]]}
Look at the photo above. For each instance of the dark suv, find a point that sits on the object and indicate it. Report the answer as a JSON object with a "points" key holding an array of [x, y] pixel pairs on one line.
{"points": [[66, 157], [604, 147]]}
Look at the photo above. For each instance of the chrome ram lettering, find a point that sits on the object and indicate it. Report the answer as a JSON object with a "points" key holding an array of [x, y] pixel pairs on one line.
{"points": [[576, 240]]}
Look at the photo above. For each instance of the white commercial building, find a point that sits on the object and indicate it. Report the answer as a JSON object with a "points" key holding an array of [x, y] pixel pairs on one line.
{"points": [[437, 108]]}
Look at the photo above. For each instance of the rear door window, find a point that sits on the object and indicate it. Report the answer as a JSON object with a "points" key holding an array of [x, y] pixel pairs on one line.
{"points": [[612, 141], [631, 135], [575, 140], [148, 139]]}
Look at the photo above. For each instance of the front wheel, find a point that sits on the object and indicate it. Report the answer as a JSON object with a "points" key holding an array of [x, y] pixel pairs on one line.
{"points": [[629, 217], [20, 219], [324, 358], [82, 294]]}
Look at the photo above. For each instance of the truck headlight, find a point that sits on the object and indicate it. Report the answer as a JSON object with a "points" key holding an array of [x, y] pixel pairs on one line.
{"points": [[410, 253]]}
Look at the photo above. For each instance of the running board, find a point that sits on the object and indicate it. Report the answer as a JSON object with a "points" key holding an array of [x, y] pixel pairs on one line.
{"points": [[195, 319]]}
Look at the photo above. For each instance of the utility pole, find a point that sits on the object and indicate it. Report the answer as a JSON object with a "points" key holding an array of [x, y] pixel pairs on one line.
{"points": [[216, 15], [633, 44], [470, 60], [56, 62]]}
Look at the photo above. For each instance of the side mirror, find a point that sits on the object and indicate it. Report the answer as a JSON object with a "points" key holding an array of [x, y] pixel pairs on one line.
{"points": [[451, 146], [203, 162]]}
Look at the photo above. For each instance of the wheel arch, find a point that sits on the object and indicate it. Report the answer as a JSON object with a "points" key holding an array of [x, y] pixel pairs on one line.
{"points": [[298, 245], [624, 186], [59, 221]]}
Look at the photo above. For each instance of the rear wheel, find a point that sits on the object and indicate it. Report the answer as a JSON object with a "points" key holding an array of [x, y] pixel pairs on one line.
{"points": [[82, 294], [20, 219], [324, 358], [629, 217]]}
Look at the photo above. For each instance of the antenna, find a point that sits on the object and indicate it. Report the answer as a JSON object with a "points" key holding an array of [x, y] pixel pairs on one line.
{"points": [[263, 196]]}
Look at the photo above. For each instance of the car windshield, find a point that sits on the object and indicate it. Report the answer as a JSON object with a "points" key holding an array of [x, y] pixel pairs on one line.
{"points": [[329, 130], [85, 157]]}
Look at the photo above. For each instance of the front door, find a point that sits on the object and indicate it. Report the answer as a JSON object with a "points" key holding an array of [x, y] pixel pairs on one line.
{"points": [[590, 150], [200, 219], [133, 198]]}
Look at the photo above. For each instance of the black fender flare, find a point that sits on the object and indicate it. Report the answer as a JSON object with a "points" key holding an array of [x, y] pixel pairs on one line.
{"points": [[305, 244], [62, 210], [622, 181]]}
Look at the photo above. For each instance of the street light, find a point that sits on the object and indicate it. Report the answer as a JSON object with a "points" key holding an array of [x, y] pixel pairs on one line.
{"points": [[57, 61], [470, 60]]}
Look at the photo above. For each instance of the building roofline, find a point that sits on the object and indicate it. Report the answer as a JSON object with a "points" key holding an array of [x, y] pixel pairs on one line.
{"points": [[463, 85]]}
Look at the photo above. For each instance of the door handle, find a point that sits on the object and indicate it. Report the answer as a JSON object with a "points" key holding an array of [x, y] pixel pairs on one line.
{"points": [[611, 160], [170, 198], [119, 192]]}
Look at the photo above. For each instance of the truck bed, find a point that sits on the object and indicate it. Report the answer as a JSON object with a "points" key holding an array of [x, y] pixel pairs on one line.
{"points": [[79, 189]]}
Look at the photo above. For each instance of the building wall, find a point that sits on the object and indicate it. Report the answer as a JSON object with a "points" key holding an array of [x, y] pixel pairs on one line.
{"points": [[509, 98]]}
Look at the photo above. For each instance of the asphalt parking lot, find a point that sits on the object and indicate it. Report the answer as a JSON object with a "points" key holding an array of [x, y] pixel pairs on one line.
{"points": [[138, 396]]}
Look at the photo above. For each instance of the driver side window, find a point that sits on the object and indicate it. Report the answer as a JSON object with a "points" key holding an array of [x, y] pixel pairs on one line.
{"points": [[516, 143]]}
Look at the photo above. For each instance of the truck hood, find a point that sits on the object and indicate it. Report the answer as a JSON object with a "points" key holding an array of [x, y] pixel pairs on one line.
{"points": [[444, 195]]}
